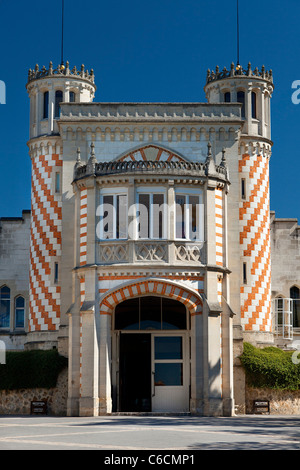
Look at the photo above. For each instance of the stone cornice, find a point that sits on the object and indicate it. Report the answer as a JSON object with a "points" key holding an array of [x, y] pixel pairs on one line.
{"points": [[150, 112]]}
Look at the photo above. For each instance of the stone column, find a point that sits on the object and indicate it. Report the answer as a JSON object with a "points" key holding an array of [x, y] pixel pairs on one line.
{"points": [[51, 111], [74, 355], [38, 113], [89, 401], [197, 363], [212, 393], [171, 221], [105, 398]]}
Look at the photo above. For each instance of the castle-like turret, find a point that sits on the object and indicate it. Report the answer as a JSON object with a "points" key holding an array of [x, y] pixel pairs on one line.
{"points": [[47, 89], [253, 89]]}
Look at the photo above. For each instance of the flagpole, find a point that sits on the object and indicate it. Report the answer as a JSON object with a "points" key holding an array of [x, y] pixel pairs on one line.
{"points": [[62, 32], [238, 32]]}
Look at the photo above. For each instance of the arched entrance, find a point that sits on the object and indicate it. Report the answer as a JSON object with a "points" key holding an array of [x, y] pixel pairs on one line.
{"points": [[153, 354], [150, 327]]}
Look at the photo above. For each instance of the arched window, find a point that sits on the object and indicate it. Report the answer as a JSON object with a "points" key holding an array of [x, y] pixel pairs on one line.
{"points": [[227, 97], [46, 105], [241, 99], [253, 105], [58, 100], [150, 313], [279, 310], [72, 97], [295, 295], [4, 307], [20, 312]]}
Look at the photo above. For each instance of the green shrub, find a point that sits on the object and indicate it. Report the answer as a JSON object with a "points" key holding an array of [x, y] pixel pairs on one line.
{"points": [[270, 368], [31, 369]]}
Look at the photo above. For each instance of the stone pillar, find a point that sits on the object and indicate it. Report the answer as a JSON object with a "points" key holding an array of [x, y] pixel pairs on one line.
{"points": [[38, 113], [105, 398], [74, 355], [212, 394], [89, 401], [197, 365], [51, 110], [171, 221]]}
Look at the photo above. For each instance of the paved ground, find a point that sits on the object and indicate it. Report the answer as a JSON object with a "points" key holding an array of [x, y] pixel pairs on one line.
{"points": [[131, 433]]}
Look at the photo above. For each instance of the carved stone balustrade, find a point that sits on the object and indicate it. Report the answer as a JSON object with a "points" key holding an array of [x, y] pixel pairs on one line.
{"points": [[151, 251]]}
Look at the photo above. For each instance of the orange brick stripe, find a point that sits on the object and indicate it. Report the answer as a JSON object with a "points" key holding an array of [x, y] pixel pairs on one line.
{"points": [[219, 226], [148, 287], [255, 245], [83, 227], [44, 297]]}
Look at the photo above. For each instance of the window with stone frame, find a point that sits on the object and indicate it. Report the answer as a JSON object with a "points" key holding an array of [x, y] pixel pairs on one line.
{"points": [[113, 216], [151, 215], [20, 312], [189, 217], [4, 307]]}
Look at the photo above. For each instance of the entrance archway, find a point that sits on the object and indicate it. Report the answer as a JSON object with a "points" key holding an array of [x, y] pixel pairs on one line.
{"points": [[151, 344], [161, 287]]}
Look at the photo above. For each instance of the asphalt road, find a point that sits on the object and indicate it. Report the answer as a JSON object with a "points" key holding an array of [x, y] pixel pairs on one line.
{"points": [[170, 434]]}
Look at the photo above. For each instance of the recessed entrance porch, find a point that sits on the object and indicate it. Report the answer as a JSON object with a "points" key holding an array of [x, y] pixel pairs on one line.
{"points": [[151, 351]]}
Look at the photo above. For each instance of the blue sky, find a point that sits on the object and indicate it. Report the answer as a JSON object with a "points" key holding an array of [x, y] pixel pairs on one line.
{"points": [[149, 51]]}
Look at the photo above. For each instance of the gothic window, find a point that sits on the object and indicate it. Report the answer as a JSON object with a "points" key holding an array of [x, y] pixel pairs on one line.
{"points": [[151, 219], [113, 216], [253, 105], [72, 97], [57, 182], [241, 99], [20, 312], [58, 100], [4, 307], [46, 105], [227, 97], [189, 217], [295, 295]]}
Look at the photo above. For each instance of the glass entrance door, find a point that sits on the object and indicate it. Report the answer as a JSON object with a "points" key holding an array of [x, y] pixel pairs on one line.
{"points": [[153, 373], [169, 370]]}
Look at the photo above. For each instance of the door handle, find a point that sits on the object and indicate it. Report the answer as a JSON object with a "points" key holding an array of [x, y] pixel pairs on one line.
{"points": [[153, 384]]}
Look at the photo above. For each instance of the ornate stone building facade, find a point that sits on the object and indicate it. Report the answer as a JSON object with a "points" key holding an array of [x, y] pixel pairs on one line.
{"points": [[150, 240]]}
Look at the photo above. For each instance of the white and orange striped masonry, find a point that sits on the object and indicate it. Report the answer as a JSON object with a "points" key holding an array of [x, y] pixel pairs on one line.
{"points": [[255, 244], [219, 226], [159, 287], [45, 245], [83, 226]]}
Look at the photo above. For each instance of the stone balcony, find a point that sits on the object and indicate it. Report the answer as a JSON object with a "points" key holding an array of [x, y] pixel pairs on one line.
{"points": [[202, 170]]}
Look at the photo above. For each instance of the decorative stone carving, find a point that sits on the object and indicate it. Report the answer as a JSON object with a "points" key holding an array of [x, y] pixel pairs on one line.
{"points": [[112, 253], [151, 252], [61, 70], [208, 168], [238, 71], [190, 252]]}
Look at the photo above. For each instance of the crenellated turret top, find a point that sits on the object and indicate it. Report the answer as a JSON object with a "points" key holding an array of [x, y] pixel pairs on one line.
{"points": [[238, 71], [61, 70]]}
